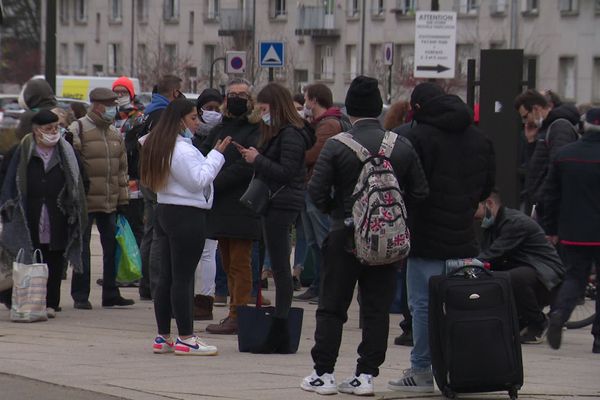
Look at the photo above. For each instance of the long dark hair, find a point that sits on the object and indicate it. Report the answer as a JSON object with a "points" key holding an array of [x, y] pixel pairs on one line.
{"points": [[281, 108], [157, 150]]}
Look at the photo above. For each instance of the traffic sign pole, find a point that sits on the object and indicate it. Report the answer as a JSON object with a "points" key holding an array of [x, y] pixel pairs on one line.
{"points": [[212, 70], [390, 86], [271, 77]]}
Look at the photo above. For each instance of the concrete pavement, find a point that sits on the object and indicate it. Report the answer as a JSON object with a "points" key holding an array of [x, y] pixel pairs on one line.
{"points": [[107, 352]]}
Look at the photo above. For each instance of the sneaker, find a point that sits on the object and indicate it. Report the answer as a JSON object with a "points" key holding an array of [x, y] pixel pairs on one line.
{"points": [[534, 335], [308, 295], [162, 345], [361, 385], [555, 327], [413, 381], [194, 347], [320, 384], [406, 339], [82, 305], [51, 312]]}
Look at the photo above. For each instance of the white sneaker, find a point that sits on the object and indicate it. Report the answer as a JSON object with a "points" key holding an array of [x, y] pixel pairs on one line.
{"points": [[51, 312], [361, 385], [413, 381], [163, 345], [320, 384], [194, 346]]}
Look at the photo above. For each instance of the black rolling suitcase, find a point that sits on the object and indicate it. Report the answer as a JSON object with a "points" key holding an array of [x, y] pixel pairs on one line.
{"points": [[474, 333]]}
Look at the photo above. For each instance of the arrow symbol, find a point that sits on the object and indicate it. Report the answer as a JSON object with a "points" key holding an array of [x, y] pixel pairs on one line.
{"points": [[438, 68]]}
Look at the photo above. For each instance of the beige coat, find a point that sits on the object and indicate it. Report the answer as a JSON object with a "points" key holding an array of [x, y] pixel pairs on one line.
{"points": [[105, 161]]}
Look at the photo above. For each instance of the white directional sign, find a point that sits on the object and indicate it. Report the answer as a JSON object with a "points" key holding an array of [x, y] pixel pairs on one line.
{"points": [[435, 44], [235, 62]]}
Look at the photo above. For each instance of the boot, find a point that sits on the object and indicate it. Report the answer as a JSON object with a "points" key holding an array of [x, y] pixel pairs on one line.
{"points": [[203, 306], [596, 346], [278, 339]]}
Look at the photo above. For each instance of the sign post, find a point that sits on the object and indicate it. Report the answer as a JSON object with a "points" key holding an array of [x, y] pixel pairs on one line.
{"points": [[435, 44], [271, 55], [388, 59]]}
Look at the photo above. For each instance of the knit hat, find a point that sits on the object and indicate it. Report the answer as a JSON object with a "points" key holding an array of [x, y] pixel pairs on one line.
{"points": [[207, 96], [424, 92], [591, 120], [363, 98], [44, 117], [126, 83]]}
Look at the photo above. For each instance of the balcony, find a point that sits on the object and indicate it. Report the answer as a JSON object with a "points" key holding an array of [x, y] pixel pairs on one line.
{"points": [[324, 76], [315, 22], [404, 8], [235, 21]]}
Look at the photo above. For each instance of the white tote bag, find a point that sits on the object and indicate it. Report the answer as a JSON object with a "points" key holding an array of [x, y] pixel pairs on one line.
{"points": [[29, 289]]}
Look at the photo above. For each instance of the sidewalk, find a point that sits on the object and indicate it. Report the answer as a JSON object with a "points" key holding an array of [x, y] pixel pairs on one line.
{"points": [[108, 351]]}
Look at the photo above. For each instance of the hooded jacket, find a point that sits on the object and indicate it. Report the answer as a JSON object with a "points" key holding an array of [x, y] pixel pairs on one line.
{"points": [[459, 164], [35, 96], [326, 126]]}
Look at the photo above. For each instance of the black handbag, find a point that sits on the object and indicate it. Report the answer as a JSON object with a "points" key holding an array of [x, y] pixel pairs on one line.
{"points": [[258, 195]]}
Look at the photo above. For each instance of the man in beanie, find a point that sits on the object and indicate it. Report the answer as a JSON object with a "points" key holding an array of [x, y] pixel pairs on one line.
{"points": [[459, 163], [573, 218], [105, 161], [334, 177]]}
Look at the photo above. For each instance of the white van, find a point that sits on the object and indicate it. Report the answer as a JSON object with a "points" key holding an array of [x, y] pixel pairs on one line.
{"points": [[79, 87]]}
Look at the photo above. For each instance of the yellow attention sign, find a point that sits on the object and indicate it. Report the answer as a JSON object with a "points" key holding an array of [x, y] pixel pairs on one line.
{"points": [[75, 88]]}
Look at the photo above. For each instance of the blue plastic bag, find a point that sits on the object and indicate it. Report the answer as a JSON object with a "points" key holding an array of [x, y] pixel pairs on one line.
{"points": [[128, 260]]}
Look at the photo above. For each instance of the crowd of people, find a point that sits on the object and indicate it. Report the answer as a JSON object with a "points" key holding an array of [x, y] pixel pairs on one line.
{"points": [[178, 168]]}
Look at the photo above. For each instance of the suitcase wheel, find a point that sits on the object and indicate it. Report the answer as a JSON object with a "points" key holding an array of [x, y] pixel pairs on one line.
{"points": [[448, 393], [513, 393]]}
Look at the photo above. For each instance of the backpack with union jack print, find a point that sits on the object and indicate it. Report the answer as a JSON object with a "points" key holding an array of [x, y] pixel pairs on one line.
{"points": [[380, 230]]}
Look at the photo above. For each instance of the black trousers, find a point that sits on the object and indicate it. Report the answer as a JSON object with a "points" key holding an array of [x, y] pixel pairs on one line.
{"points": [[181, 232], [531, 296], [579, 260], [276, 225], [376, 285], [55, 261], [149, 248]]}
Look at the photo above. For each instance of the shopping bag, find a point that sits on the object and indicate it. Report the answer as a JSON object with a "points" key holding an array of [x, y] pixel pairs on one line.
{"points": [[128, 260], [29, 289], [254, 324]]}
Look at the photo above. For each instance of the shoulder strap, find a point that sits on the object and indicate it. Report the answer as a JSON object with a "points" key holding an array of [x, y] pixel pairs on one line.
{"points": [[548, 131], [388, 143], [361, 152], [80, 133]]}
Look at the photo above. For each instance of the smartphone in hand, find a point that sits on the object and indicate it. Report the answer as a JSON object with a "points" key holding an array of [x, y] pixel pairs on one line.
{"points": [[238, 146]]}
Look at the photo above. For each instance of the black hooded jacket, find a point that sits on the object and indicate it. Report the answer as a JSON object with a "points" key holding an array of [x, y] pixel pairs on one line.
{"points": [[458, 160], [557, 130], [37, 95], [281, 165]]}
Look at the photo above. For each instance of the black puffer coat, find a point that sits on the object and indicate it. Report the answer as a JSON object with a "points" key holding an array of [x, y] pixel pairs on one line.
{"points": [[459, 163], [338, 167], [281, 165], [227, 217]]}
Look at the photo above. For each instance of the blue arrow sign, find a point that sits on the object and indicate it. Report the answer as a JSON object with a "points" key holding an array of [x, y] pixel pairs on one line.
{"points": [[271, 54]]}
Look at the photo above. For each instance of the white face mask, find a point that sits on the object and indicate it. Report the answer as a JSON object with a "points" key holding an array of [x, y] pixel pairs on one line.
{"points": [[307, 112], [124, 101], [211, 118], [49, 139], [301, 113]]}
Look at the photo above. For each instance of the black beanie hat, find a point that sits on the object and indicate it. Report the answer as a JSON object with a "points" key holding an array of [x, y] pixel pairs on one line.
{"points": [[424, 92], [44, 117], [363, 98], [208, 95]]}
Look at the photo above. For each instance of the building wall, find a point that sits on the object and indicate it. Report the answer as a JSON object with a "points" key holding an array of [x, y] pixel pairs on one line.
{"points": [[548, 35]]}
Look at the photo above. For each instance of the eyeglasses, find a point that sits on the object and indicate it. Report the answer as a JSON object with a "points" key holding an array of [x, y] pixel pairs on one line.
{"points": [[49, 129], [121, 93], [241, 95]]}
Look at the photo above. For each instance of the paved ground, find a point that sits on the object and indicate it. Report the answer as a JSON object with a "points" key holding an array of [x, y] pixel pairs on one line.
{"points": [[98, 354]]}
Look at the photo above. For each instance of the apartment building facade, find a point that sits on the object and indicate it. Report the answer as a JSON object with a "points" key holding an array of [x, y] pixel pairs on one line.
{"points": [[330, 41]]}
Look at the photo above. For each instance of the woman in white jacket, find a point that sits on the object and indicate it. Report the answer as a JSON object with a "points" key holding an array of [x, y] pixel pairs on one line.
{"points": [[182, 178]]}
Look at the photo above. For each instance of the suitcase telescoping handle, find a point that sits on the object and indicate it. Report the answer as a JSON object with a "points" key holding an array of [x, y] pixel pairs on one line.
{"points": [[469, 271]]}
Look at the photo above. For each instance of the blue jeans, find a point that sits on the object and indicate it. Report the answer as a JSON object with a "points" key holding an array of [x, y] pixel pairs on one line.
{"points": [[417, 276], [316, 227]]}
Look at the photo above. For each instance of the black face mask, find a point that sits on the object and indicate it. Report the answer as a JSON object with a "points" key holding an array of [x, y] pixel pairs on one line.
{"points": [[237, 106]]}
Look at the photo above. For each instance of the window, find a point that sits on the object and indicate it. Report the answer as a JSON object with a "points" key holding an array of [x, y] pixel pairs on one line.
{"points": [[191, 32], [63, 58], [142, 11], [466, 7], [171, 10], [353, 8], [463, 53], [324, 63], [79, 59], [278, 8], [568, 6], [405, 7], [566, 77], [98, 70], [596, 80], [498, 7], [210, 51], [530, 6], [378, 8], [526, 59], [81, 11], [142, 58], [351, 63], [212, 10], [64, 11], [97, 28], [300, 80], [191, 74], [171, 52], [116, 10], [114, 58]]}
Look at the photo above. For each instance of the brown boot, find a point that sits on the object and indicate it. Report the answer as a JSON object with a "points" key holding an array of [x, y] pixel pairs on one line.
{"points": [[203, 306], [228, 326]]}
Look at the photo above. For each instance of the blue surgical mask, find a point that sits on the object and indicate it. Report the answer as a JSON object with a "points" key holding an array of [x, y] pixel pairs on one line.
{"points": [[267, 119], [186, 133], [488, 220], [109, 114], [62, 131]]}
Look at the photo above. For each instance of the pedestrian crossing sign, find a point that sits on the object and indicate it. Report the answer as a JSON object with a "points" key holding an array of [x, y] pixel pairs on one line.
{"points": [[271, 54]]}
